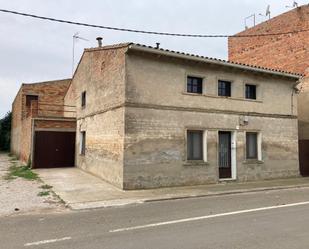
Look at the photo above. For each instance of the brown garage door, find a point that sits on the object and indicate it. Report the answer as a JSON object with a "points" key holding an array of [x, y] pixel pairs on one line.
{"points": [[304, 157], [54, 149]]}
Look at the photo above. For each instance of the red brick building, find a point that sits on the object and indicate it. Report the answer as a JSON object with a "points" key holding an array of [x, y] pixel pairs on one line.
{"points": [[287, 52], [41, 121]]}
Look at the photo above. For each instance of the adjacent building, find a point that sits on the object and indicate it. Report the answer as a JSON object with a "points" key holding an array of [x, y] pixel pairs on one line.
{"points": [[41, 132], [287, 52]]}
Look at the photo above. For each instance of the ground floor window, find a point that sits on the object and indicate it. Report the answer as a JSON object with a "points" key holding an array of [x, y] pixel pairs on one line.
{"points": [[196, 145], [82, 142], [253, 145]]}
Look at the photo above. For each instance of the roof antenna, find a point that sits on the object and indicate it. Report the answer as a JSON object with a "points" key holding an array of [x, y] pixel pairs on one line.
{"points": [[157, 45], [267, 13], [76, 37], [295, 5], [249, 17]]}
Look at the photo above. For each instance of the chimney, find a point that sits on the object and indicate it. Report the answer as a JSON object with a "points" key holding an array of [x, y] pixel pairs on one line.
{"points": [[99, 39], [157, 45]]}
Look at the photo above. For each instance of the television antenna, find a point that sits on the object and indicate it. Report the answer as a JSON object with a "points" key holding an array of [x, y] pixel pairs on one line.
{"points": [[249, 17], [76, 37], [295, 5], [267, 13]]}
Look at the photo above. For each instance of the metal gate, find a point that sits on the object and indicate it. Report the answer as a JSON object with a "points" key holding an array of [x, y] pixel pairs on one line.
{"points": [[225, 164], [54, 149]]}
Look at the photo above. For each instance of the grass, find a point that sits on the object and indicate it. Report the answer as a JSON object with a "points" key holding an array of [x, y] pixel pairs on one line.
{"points": [[21, 171], [43, 193]]}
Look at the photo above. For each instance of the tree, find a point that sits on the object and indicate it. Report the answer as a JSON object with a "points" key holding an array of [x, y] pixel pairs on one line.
{"points": [[5, 132]]}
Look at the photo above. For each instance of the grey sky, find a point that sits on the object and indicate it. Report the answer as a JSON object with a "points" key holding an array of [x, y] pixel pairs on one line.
{"points": [[33, 50]]}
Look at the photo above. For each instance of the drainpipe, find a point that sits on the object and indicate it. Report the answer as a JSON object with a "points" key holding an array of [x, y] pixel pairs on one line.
{"points": [[297, 91]]}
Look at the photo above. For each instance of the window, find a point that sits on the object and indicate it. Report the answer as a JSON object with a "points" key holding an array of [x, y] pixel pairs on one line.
{"points": [[194, 85], [194, 145], [83, 99], [82, 143], [252, 145], [250, 91], [30, 98], [224, 88]]}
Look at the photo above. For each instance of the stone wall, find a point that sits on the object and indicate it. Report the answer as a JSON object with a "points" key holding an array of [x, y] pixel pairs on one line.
{"points": [[101, 74]]}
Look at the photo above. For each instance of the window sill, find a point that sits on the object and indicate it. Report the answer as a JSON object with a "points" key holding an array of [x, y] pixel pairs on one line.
{"points": [[195, 163], [253, 161], [222, 97]]}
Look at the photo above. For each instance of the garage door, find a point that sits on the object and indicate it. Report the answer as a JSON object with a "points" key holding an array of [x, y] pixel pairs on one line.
{"points": [[304, 157], [54, 149]]}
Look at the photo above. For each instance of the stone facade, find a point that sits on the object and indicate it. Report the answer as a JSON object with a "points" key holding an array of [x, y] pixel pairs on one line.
{"points": [[137, 114], [47, 112]]}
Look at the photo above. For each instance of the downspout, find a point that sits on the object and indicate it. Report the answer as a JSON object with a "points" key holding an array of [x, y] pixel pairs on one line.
{"points": [[32, 142], [297, 91]]}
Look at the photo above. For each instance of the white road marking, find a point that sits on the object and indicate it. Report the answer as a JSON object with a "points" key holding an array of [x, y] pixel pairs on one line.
{"points": [[208, 217], [46, 241]]}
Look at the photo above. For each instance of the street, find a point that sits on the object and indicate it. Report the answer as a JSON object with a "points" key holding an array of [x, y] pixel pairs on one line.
{"points": [[273, 219]]}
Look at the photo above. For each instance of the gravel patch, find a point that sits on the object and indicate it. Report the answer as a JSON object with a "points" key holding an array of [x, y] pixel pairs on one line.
{"points": [[20, 196]]}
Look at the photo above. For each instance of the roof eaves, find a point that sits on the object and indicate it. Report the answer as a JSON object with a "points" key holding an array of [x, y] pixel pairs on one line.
{"points": [[259, 69]]}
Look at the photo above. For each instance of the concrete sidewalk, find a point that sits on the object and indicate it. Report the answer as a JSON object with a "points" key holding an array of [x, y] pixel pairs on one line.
{"points": [[81, 190]]}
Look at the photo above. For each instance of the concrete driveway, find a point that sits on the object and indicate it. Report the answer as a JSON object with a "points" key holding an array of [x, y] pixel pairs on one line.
{"points": [[81, 190]]}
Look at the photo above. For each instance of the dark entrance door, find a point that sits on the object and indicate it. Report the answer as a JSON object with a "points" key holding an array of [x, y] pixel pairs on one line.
{"points": [[54, 149], [225, 165], [304, 157]]}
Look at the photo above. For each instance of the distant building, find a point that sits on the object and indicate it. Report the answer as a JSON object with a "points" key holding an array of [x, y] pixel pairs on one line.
{"points": [[287, 52]]}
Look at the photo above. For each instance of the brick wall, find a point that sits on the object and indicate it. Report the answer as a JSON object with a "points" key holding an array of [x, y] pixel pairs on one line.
{"points": [[50, 104], [284, 52]]}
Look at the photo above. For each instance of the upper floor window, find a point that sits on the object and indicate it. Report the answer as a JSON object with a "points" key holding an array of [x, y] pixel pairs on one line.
{"points": [[83, 97], [194, 85], [224, 88], [30, 98], [250, 91]]}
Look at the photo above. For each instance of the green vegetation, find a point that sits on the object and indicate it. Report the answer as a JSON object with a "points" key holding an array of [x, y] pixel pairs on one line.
{"points": [[21, 171], [43, 193], [5, 132]]}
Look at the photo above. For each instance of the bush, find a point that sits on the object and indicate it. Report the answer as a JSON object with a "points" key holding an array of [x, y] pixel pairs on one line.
{"points": [[5, 132]]}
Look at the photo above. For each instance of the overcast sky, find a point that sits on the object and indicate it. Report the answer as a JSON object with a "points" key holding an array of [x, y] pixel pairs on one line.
{"points": [[33, 50]]}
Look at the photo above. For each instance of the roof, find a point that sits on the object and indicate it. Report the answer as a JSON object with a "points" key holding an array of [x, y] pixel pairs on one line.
{"points": [[210, 60], [47, 82]]}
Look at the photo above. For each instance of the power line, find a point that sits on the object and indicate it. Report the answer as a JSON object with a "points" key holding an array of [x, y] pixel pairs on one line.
{"points": [[148, 32]]}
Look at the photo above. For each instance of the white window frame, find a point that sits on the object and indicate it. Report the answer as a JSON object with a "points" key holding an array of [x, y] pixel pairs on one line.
{"points": [[259, 145], [204, 144]]}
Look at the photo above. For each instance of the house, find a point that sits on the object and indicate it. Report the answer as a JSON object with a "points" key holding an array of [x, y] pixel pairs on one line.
{"points": [[145, 117], [43, 131], [289, 52], [148, 117]]}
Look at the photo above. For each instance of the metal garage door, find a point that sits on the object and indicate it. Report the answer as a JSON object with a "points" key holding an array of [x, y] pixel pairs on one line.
{"points": [[54, 149], [304, 157]]}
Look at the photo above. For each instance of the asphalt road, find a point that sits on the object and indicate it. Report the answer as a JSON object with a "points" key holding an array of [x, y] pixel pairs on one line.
{"points": [[274, 219]]}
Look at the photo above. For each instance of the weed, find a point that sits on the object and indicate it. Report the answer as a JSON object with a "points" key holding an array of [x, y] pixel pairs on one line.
{"points": [[21, 171], [43, 193]]}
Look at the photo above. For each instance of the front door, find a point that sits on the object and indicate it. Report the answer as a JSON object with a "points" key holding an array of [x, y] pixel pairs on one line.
{"points": [[225, 164]]}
